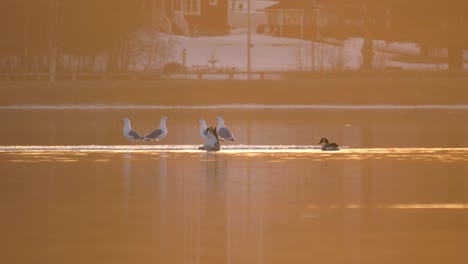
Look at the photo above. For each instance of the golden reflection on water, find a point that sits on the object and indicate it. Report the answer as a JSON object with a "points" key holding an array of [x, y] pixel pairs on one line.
{"points": [[410, 206], [429, 154], [446, 155], [235, 206]]}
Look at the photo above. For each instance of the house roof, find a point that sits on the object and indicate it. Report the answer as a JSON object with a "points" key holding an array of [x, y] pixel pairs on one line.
{"points": [[298, 4], [292, 5]]}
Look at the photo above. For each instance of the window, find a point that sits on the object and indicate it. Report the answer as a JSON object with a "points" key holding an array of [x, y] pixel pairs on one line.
{"points": [[192, 7], [292, 18]]}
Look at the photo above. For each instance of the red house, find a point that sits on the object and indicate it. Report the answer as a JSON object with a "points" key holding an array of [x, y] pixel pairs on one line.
{"points": [[301, 19], [188, 17]]}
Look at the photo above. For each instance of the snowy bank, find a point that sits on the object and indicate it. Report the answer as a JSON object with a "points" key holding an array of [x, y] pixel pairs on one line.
{"points": [[268, 53]]}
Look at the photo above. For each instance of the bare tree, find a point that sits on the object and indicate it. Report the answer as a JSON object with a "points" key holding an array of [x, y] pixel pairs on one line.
{"points": [[150, 50]]}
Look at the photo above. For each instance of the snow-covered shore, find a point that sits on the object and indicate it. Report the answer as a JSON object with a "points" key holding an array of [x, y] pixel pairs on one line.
{"points": [[270, 53]]}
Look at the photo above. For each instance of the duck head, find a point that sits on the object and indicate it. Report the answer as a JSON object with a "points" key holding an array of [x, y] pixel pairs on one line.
{"points": [[323, 140]]}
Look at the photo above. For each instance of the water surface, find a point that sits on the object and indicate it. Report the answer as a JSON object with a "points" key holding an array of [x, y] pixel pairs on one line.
{"points": [[73, 190], [358, 126]]}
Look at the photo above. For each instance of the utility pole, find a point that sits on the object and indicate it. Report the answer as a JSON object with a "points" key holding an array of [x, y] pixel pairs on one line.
{"points": [[53, 42], [25, 37], [313, 38], [367, 50], [312, 54], [249, 44]]}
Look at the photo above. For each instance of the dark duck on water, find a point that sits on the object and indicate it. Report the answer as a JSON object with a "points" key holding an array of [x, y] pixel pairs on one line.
{"points": [[328, 146]]}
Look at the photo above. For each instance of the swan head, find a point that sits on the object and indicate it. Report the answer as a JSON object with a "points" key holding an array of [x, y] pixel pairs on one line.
{"points": [[201, 121]]}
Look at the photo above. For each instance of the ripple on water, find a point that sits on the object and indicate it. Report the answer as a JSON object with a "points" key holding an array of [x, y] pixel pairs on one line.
{"points": [[275, 153]]}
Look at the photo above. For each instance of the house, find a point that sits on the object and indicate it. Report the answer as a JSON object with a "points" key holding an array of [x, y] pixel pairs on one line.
{"points": [[188, 17], [302, 19]]}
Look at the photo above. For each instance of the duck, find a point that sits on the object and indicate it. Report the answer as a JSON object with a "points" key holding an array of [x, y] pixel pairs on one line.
{"points": [[158, 133], [224, 132], [328, 146], [211, 141], [128, 132]]}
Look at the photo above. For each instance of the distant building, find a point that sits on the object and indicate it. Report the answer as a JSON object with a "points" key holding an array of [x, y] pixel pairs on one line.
{"points": [[302, 19], [188, 17]]}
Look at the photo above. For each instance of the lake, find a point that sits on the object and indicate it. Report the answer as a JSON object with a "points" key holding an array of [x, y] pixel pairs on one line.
{"points": [[74, 190]]}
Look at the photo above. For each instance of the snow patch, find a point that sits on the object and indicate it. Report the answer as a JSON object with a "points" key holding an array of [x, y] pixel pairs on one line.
{"points": [[268, 53]]}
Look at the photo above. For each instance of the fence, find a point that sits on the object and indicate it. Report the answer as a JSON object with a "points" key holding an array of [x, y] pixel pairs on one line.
{"points": [[132, 76]]}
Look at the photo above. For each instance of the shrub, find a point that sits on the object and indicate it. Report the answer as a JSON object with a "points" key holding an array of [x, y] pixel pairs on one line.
{"points": [[174, 67], [261, 29]]}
